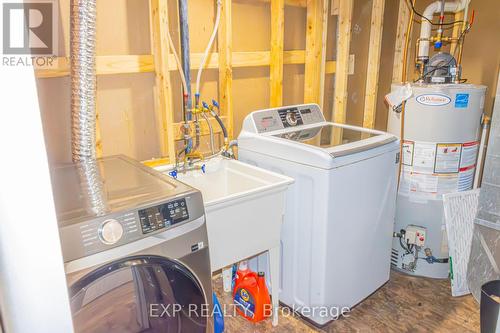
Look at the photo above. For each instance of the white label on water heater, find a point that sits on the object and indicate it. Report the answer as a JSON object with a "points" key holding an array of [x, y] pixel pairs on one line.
{"points": [[432, 169], [433, 99], [408, 147], [448, 157], [469, 154], [424, 155]]}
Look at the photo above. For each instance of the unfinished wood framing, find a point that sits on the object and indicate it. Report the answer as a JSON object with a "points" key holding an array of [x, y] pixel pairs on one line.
{"points": [[315, 50], [374, 52], [277, 44], [98, 136], [403, 19], [457, 29], [342, 68], [162, 62], [296, 3], [164, 108], [129, 64], [323, 63], [225, 38]]}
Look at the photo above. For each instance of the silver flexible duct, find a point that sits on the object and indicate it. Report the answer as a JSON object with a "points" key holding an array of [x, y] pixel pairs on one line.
{"points": [[83, 79], [83, 101]]}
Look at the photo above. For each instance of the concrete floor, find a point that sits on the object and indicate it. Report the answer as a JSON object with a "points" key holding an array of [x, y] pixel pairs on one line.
{"points": [[404, 304]]}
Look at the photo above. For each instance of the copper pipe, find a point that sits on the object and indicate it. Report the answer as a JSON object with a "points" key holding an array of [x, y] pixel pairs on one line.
{"points": [[464, 28]]}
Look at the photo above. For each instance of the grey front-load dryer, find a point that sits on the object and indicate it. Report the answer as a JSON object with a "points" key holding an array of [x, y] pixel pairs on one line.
{"points": [[135, 248]]}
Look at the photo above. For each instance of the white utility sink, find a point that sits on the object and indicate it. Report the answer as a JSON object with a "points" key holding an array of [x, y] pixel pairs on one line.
{"points": [[244, 207]]}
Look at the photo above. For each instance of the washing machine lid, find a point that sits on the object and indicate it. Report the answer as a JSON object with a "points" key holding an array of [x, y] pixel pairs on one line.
{"points": [[325, 145], [300, 133], [336, 139], [125, 185]]}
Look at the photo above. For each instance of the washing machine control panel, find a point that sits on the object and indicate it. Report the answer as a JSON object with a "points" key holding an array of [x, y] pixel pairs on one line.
{"points": [[163, 216], [290, 117], [286, 117]]}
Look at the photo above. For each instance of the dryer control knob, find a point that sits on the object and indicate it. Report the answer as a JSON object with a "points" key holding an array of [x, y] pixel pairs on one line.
{"points": [[110, 231]]}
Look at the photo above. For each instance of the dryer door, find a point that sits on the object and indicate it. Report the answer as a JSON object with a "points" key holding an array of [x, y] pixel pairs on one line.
{"points": [[139, 294]]}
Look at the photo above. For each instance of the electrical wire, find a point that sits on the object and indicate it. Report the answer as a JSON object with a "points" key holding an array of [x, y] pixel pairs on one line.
{"points": [[425, 18], [404, 246]]}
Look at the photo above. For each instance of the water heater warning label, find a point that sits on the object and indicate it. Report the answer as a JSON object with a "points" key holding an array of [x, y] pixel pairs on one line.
{"points": [[408, 147], [447, 158], [469, 154], [432, 169], [424, 157]]}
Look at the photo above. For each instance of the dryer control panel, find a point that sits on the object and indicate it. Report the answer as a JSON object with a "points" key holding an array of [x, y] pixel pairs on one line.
{"points": [[286, 117], [163, 216], [120, 228]]}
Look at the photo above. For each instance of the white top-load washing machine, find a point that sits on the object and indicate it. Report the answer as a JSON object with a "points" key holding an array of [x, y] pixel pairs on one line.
{"points": [[137, 261], [339, 213]]}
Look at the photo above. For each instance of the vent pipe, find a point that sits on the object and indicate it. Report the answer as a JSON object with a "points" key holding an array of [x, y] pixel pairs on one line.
{"points": [[426, 26], [83, 79], [83, 101]]}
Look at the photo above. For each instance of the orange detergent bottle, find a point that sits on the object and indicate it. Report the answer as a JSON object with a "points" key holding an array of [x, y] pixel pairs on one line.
{"points": [[251, 296]]}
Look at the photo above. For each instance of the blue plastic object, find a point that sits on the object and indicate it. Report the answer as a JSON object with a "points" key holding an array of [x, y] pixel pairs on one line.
{"points": [[204, 168], [214, 102], [205, 105], [189, 146], [438, 44], [173, 174], [218, 315]]}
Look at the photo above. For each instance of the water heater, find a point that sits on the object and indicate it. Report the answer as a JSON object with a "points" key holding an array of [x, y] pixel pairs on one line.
{"points": [[442, 126]]}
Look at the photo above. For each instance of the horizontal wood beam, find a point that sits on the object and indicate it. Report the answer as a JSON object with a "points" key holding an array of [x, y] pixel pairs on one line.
{"points": [[126, 64], [296, 3], [105, 65]]}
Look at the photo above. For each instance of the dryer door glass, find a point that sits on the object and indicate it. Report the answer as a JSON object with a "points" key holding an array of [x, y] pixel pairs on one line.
{"points": [[139, 294]]}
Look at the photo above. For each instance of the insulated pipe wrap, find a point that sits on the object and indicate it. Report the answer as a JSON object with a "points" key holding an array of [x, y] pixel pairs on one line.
{"points": [[83, 79]]}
